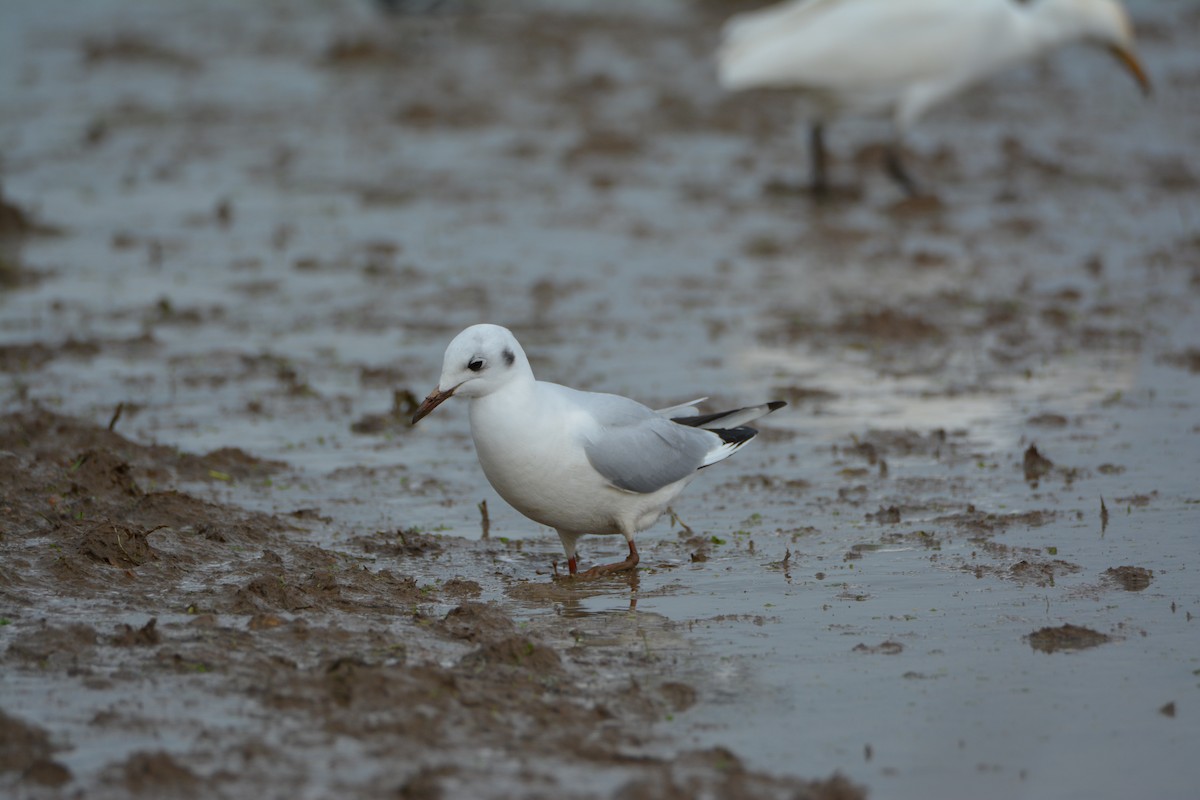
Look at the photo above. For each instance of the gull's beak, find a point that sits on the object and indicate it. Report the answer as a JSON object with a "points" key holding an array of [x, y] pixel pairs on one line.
{"points": [[1134, 66], [435, 399]]}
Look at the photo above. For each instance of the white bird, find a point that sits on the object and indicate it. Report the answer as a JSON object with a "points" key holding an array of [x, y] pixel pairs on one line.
{"points": [[903, 57], [579, 462]]}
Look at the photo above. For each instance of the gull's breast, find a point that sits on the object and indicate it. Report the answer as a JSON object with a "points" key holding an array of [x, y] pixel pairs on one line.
{"points": [[536, 462]]}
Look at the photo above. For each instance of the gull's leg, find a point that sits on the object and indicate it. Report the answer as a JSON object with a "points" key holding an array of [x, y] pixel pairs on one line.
{"points": [[897, 171], [818, 159], [630, 563], [568, 543]]}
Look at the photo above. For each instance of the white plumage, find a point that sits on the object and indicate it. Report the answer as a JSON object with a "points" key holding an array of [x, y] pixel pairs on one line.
{"points": [[903, 57], [579, 462]]}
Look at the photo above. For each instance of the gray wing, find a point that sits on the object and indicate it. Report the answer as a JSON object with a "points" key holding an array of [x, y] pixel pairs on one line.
{"points": [[637, 450]]}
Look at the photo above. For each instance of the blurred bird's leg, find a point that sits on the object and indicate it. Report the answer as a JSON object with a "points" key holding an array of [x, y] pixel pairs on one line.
{"points": [[630, 562], [894, 164], [818, 160]]}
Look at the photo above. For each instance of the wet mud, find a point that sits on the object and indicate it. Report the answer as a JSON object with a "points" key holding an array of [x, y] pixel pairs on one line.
{"points": [[234, 242], [312, 639]]}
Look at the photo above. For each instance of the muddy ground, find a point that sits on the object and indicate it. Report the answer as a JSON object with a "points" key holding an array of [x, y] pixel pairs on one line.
{"points": [[235, 241], [307, 651]]}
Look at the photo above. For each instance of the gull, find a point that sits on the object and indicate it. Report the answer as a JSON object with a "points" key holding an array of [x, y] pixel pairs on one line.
{"points": [[902, 58], [579, 462]]}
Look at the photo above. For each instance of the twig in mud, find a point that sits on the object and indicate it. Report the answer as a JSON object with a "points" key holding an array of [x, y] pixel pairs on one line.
{"points": [[121, 545], [112, 423], [486, 523], [675, 519]]}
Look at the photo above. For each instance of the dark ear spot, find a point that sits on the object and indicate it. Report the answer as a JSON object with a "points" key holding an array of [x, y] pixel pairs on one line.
{"points": [[509, 358]]}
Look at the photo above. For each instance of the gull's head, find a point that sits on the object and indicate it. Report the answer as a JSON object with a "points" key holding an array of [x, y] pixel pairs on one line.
{"points": [[480, 360]]}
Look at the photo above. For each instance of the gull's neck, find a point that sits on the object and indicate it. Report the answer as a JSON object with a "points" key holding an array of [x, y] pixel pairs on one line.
{"points": [[1045, 24]]}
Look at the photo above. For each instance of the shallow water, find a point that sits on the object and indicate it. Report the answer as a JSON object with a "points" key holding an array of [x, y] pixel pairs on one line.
{"points": [[582, 181]]}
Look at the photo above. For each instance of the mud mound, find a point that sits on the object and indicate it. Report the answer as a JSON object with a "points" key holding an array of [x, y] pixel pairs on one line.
{"points": [[1066, 637], [79, 520], [145, 636], [94, 457], [29, 357], [1131, 579], [516, 651], [1041, 573], [157, 774], [227, 463], [16, 221], [410, 543], [53, 646], [26, 749], [477, 622]]}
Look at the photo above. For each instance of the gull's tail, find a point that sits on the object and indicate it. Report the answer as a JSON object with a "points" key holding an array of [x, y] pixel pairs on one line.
{"points": [[730, 426], [724, 420]]}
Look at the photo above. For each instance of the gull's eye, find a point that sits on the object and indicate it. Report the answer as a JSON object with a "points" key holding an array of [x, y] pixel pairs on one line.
{"points": [[475, 364]]}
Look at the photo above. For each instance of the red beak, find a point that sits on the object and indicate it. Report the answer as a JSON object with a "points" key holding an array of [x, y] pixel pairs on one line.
{"points": [[435, 399]]}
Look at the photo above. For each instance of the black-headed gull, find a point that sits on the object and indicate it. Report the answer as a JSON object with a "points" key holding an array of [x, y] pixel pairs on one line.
{"points": [[579, 462], [903, 57]]}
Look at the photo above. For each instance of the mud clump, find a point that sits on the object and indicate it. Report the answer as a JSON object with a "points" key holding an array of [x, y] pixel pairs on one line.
{"points": [[130, 49], [1035, 465], [718, 772], [477, 622], [1048, 420], [889, 325], [1131, 579], [29, 357], [983, 523], [516, 651], [53, 646], [273, 592], [97, 471], [155, 773], [226, 464], [1188, 359], [679, 697], [1041, 573], [886, 516], [410, 543], [145, 636], [117, 545], [16, 221], [603, 144], [875, 444], [1066, 637], [25, 748], [461, 587], [1138, 500]]}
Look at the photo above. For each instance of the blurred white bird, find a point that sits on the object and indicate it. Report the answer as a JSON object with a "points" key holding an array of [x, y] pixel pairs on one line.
{"points": [[903, 57], [580, 462]]}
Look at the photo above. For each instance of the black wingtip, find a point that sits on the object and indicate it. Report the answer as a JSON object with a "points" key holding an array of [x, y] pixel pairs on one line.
{"points": [[737, 436], [702, 420]]}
